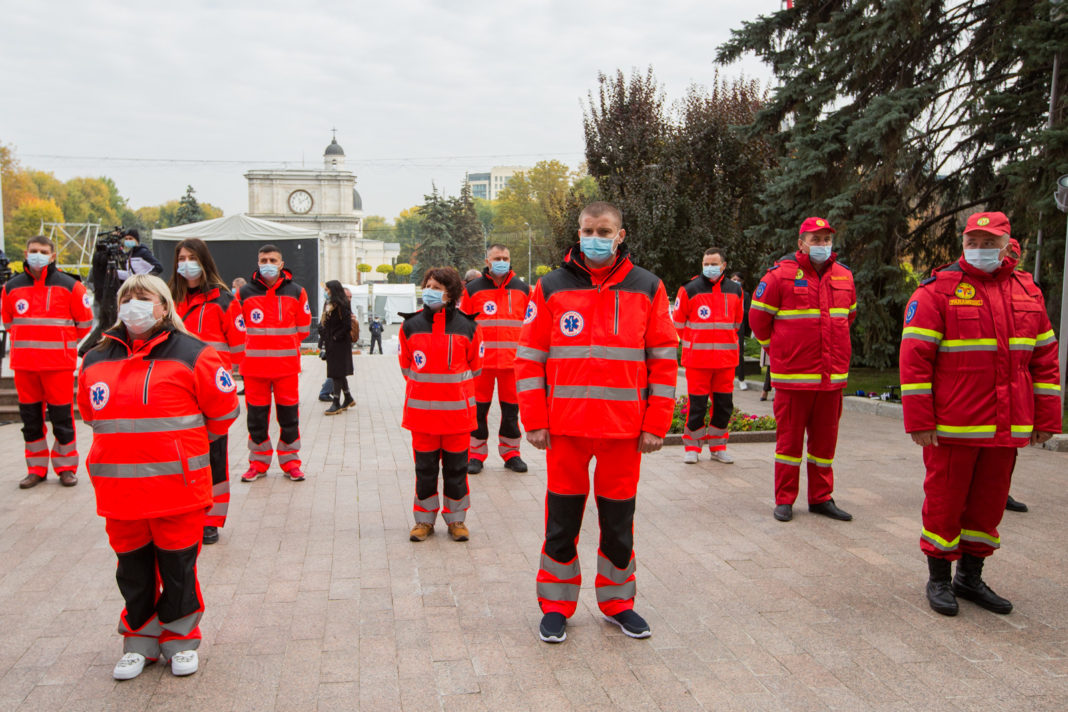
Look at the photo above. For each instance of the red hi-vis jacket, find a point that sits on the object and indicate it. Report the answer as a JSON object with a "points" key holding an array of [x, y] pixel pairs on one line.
{"points": [[803, 317], [276, 320], [597, 352], [153, 407], [979, 358], [214, 316], [500, 310], [708, 314], [46, 318], [440, 355]]}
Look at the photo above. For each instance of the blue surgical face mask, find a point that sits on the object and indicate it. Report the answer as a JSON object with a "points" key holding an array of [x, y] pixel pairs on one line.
{"points": [[190, 269], [38, 260], [129, 244], [712, 272], [500, 267], [983, 259], [597, 249], [269, 271], [432, 297], [819, 254]]}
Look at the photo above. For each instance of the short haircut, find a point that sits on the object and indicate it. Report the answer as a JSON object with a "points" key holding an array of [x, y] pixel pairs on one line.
{"points": [[472, 274], [269, 248], [449, 278], [41, 240], [134, 233], [598, 208], [716, 251], [497, 246]]}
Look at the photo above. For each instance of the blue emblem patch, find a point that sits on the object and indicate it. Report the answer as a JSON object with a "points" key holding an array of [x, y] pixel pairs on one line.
{"points": [[571, 323], [910, 311], [99, 394], [224, 381], [760, 289], [800, 282], [532, 311]]}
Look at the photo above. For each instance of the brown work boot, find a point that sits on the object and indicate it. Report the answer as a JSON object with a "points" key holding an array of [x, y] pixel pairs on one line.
{"points": [[31, 480], [420, 531], [67, 478], [458, 531]]}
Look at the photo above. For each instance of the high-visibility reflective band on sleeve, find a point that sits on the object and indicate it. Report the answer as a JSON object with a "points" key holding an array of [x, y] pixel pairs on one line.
{"points": [[1045, 338], [968, 345], [237, 349], [980, 537], [536, 383], [797, 377], [915, 332], [940, 543], [710, 326], [531, 354], [232, 414], [1021, 343], [659, 390], [798, 314], [656, 352], [839, 377], [763, 307], [84, 324], [1047, 389], [915, 389], [218, 345], [966, 431], [709, 347]]}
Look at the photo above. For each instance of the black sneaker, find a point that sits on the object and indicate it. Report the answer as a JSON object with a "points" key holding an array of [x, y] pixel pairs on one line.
{"points": [[631, 623], [474, 466], [553, 628], [515, 464], [211, 535]]}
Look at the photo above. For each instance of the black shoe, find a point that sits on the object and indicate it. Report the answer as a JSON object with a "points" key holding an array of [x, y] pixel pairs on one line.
{"points": [[939, 592], [241, 392], [515, 464], [829, 509], [211, 535], [969, 585], [631, 623], [349, 401], [474, 466], [553, 628], [325, 399], [334, 408], [784, 512], [1015, 506]]}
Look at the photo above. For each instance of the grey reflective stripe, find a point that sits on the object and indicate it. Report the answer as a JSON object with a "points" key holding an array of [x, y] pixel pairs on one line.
{"points": [[294, 446], [287, 457], [478, 447], [1022, 347], [476, 373], [659, 390], [551, 591], [232, 414], [966, 435], [622, 592], [271, 353], [431, 503], [968, 347], [600, 393], [661, 352], [916, 392], [500, 344], [440, 377], [147, 645], [406, 372], [37, 446], [182, 626], [271, 330], [560, 571], [692, 434], [33, 321], [47, 345], [61, 449], [218, 345], [150, 628], [64, 460], [237, 349], [714, 432], [37, 461], [219, 509], [780, 315], [83, 324], [714, 347], [500, 322], [617, 576], [455, 509], [611, 353], [991, 541], [921, 337], [440, 405], [531, 354], [264, 457], [939, 545], [169, 648], [511, 442], [425, 511], [147, 425], [1048, 340], [217, 490], [710, 325], [530, 384], [145, 469]]}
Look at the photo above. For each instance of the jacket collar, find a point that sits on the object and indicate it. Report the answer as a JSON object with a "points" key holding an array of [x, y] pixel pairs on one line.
{"points": [[120, 335], [284, 276], [575, 262]]}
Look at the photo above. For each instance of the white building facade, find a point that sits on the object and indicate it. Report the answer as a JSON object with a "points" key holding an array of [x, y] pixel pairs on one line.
{"points": [[488, 185]]}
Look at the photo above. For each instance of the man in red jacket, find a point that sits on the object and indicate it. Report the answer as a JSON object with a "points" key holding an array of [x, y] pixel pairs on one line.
{"points": [[47, 312], [276, 318], [979, 379], [499, 299], [708, 312], [595, 373], [801, 313]]}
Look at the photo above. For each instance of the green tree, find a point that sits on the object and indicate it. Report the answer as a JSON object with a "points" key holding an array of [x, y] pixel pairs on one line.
{"points": [[435, 247], [189, 211], [26, 222], [403, 270], [406, 231], [375, 227], [468, 239]]}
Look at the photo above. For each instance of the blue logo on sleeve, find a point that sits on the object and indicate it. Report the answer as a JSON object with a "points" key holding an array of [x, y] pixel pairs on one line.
{"points": [[910, 311], [760, 289]]}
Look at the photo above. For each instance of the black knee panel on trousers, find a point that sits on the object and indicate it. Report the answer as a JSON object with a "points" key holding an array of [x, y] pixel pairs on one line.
{"points": [[481, 413], [563, 519], [426, 473], [454, 473], [698, 406], [722, 407], [136, 576], [509, 420], [178, 573], [217, 459], [258, 416], [32, 421], [62, 419], [288, 422], [616, 517]]}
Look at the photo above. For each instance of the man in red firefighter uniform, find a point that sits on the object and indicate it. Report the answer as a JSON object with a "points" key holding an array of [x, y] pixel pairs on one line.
{"points": [[47, 312], [595, 373], [499, 300], [979, 379], [277, 318], [801, 313], [708, 311]]}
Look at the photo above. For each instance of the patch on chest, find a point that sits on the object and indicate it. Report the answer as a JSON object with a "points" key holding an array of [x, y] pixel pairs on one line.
{"points": [[256, 316], [964, 291], [489, 308], [22, 306], [800, 274], [704, 311], [419, 359], [571, 323], [99, 393]]}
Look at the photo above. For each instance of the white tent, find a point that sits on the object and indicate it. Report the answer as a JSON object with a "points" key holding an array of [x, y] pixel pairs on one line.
{"points": [[390, 299], [235, 227]]}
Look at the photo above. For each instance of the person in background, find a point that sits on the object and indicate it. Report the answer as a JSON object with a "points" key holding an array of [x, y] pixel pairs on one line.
{"points": [[234, 286], [743, 332], [335, 330], [210, 313], [154, 396], [470, 275], [139, 259], [376, 329]]}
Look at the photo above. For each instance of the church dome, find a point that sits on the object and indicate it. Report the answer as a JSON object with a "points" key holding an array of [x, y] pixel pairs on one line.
{"points": [[334, 149], [357, 201]]}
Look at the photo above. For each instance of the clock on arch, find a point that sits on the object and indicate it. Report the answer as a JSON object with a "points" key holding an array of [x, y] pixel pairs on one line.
{"points": [[300, 202]]}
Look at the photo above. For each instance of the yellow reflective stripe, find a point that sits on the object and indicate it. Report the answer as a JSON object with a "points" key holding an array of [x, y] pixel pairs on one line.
{"points": [[1051, 387], [794, 376], [973, 535], [795, 312], [906, 387], [969, 342], [1021, 340], [966, 428], [763, 343], [839, 377], [839, 311], [1022, 428], [915, 332], [788, 459], [941, 543], [820, 460], [763, 307], [853, 307]]}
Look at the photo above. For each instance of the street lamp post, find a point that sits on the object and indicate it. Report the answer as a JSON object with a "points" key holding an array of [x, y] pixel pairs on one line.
{"points": [[1061, 196], [530, 238]]}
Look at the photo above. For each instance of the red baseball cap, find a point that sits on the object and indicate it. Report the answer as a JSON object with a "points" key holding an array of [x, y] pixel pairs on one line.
{"points": [[994, 223], [814, 225]]}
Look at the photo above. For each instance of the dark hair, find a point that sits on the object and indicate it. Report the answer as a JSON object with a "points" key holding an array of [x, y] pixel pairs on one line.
{"points": [[739, 275], [449, 278], [41, 240], [179, 287], [133, 232], [599, 207], [497, 246], [337, 301], [269, 248], [716, 251]]}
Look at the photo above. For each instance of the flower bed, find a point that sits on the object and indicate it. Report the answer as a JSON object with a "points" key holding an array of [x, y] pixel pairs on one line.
{"points": [[739, 423]]}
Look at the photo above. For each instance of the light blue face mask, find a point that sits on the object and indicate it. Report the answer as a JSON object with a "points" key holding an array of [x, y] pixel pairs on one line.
{"points": [[432, 298], [38, 260], [712, 272], [818, 254], [984, 259], [190, 269], [129, 244], [597, 249], [269, 271], [500, 267]]}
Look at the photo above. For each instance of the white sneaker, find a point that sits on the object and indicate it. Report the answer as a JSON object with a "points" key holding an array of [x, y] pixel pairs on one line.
{"points": [[690, 458], [184, 663], [129, 666], [722, 456], [743, 386]]}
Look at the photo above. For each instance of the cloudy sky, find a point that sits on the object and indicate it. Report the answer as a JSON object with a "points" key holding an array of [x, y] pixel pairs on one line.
{"points": [[160, 95]]}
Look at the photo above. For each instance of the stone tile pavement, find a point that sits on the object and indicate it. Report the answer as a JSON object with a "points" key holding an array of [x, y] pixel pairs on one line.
{"points": [[317, 600]]}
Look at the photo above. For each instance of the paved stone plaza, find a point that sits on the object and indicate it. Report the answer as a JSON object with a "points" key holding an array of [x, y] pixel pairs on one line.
{"points": [[317, 600]]}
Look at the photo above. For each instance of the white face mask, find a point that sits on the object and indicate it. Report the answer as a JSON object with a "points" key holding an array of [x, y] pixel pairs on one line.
{"points": [[137, 315], [819, 254], [190, 269], [986, 260]]}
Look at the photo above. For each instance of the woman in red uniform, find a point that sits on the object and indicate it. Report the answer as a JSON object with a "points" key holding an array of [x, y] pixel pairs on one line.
{"points": [[210, 313], [440, 355], [154, 395]]}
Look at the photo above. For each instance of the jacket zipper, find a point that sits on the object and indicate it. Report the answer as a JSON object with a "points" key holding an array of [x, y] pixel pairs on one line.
{"points": [[615, 322], [449, 363], [48, 299], [200, 321], [148, 374]]}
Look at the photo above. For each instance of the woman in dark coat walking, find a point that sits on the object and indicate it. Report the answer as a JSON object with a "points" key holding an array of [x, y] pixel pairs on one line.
{"points": [[335, 327]]}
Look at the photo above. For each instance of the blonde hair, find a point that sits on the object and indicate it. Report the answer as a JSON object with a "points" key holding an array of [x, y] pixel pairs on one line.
{"points": [[153, 285]]}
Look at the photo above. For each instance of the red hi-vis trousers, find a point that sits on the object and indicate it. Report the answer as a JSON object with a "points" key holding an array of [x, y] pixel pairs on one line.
{"points": [[966, 488], [700, 384], [286, 391], [508, 434], [157, 576], [798, 412], [615, 484], [51, 393], [450, 451]]}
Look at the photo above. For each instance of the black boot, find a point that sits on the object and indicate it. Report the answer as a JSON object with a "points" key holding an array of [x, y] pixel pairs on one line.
{"points": [[349, 401], [969, 585], [939, 591], [334, 408]]}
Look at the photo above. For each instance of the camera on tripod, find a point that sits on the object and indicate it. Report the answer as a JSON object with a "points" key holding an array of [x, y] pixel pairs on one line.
{"points": [[5, 268], [110, 245]]}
